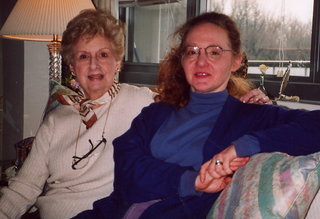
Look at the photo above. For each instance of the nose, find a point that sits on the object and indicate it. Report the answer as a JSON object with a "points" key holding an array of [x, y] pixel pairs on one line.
{"points": [[93, 62], [202, 58]]}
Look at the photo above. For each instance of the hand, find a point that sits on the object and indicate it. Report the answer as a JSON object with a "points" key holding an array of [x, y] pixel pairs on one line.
{"points": [[211, 185], [230, 163], [256, 96]]}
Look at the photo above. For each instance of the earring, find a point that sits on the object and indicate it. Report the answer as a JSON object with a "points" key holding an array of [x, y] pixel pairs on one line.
{"points": [[117, 69], [72, 73]]}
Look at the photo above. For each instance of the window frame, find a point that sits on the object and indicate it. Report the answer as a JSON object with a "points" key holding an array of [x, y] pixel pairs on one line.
{"points": [[145, 73], [307, 88]]}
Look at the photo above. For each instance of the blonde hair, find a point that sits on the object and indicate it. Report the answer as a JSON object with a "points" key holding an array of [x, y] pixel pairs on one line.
{"points": [[238, 86], [91, 22]]}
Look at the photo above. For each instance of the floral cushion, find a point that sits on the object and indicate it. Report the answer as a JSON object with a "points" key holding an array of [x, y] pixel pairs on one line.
{"points": [[271, 185]]}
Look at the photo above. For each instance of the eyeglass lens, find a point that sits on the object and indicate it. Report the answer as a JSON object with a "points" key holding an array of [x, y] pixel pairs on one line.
{"points": [[213, 52]]}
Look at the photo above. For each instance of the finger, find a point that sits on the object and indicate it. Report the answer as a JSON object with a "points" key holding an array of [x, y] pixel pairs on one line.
{"points": [[239, 162], [226, 167], [215, 185], [246, 98], [212, 167], [218, 169], [203, 170], [217, 172], [227, 179], [250, 95], [262, 98], [258, 98]]}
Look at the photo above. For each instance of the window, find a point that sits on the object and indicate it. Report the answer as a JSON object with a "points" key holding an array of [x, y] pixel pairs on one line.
{"points": [[274, 32], [152, 25]]}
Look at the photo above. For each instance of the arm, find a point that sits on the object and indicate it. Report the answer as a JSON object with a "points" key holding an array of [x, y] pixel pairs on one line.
{"points": [[274, 128], [296, 134], [24, 188], [293, 132], [138, 175]]}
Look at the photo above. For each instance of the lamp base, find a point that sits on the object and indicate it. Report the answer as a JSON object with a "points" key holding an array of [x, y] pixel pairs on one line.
{"points": [[55, 62]]}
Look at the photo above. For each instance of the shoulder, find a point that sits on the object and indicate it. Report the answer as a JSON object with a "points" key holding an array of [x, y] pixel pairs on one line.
{"points": [[136, 91], [61, 113], [236, 103], [135, 96], [157, 111], [236, 107]]}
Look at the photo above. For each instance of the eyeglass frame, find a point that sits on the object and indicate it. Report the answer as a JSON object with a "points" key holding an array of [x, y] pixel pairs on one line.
{"points": [[205, 49], [93, 148]]}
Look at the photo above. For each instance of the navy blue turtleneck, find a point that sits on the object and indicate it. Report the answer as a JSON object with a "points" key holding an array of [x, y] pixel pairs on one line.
{"points": [[181, 138]]}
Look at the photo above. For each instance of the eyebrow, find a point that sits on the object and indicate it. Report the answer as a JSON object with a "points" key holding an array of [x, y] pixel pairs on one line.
{"points": [[214, 45], [98, 50]]}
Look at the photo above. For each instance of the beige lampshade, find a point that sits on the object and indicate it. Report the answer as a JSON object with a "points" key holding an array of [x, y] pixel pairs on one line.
{"points": [[39, 20]]}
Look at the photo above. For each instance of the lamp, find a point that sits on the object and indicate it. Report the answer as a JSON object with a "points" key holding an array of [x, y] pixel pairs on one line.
{"points": [[43, 20]]}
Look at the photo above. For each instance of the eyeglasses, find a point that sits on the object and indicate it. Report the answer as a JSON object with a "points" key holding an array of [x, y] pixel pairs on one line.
{"points": [[101, 56], [81, 162], [213, 53]]}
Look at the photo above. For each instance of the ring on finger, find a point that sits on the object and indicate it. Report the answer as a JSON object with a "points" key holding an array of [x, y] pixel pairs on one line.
{"points": [[218, 162]]}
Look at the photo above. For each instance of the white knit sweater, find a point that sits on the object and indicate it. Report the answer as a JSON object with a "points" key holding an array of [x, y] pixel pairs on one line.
{"points": [[69, 191]]}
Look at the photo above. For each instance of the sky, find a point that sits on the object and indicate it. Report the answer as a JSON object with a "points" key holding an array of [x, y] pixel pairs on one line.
{"points": [[301, 9]]}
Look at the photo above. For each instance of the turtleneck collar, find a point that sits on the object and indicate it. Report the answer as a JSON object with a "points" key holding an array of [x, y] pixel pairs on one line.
{"points": [[204, 102]]}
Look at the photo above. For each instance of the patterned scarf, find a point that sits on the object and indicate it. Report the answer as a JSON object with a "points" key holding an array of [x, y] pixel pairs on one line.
{"points": [[84, 105]]}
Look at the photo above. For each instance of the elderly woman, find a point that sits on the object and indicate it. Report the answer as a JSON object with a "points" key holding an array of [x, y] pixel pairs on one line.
{"points": [[71, 161], [197, 125]]}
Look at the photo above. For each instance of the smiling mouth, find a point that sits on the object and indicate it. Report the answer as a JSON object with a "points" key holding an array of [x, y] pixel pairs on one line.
{"points": [[201, 74], [98, 76]]}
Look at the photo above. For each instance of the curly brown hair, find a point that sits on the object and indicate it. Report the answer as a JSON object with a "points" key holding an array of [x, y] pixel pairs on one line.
{"points": [[91, 22], [172, 84]]}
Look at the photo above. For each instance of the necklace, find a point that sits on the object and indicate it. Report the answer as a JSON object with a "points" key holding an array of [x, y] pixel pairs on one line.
{"points": [[76, 159]]}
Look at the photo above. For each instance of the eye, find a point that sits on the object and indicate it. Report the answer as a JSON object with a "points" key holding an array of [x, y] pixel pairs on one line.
{"points": [[191, 52], [104, 54], [83, 56], [213, 51]]}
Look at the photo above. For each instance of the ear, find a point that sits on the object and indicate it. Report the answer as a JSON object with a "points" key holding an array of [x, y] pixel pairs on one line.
{"points": [[118, 66], [237, 59], [71, 68]]}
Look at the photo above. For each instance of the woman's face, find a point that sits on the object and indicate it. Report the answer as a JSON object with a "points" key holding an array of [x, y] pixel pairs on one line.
{"points": [[94, 64], [208, 72]]}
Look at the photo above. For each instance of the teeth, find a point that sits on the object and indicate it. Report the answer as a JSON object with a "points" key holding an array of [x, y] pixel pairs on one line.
{"points": [[201, 74], [95, 76]]}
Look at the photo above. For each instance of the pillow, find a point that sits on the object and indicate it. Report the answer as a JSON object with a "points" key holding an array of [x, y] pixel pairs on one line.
{"points": [[271, 185]]}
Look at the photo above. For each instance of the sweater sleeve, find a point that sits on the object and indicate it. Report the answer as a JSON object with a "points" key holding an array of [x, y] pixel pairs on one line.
{"points": [[138, 175], [23, 189], [246, 145], [297, 133]]}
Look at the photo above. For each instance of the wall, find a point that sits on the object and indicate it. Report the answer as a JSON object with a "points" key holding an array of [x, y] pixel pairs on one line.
{"points": [[13, 88], [11, 85], [36, 85], [23, 87]]}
